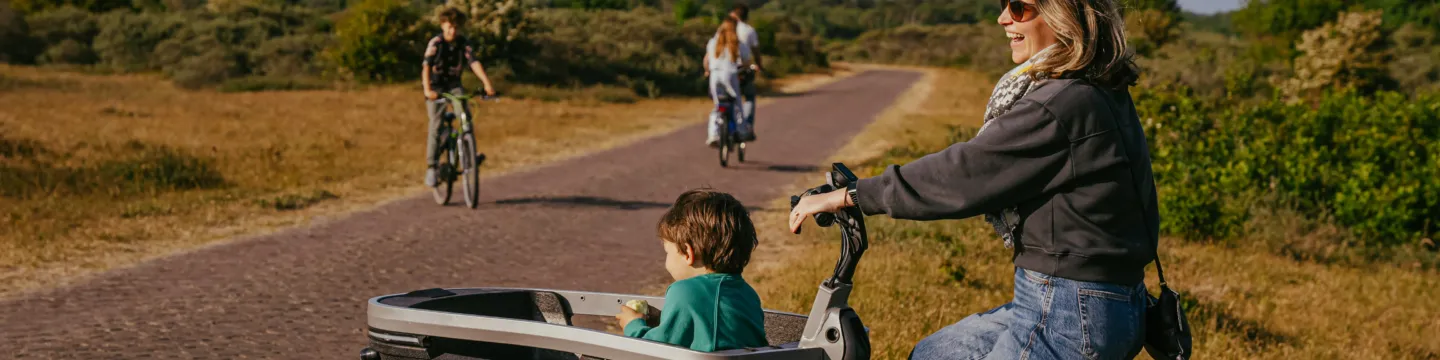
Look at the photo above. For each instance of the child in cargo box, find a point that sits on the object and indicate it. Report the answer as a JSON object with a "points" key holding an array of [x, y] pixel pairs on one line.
{"points": [[708, 238]]}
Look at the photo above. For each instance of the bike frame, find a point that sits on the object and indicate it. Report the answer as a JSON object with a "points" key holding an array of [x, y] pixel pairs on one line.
{"points": [[465, 126]]}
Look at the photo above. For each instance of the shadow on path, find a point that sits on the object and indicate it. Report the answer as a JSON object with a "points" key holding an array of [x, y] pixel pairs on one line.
{"points": [[783, 168], [591, 201]]}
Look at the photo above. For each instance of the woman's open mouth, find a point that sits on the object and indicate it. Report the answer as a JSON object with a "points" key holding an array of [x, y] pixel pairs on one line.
{"points": [[1015, 38]]}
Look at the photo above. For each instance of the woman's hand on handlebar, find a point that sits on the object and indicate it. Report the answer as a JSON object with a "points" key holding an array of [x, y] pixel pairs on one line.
{"points": [[489, 91], [814, 204], [431, 94]]}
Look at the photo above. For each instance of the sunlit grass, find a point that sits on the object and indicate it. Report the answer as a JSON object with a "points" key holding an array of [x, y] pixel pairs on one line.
{"points": [[103, 171]]}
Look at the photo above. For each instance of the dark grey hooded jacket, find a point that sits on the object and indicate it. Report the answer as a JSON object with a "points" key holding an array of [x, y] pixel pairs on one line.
{"points": [[1071, 156]]}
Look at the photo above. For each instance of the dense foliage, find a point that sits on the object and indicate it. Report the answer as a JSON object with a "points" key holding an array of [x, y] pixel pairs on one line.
{"points": [[1332, 143], [1367, 160], [235, 45], [1329, 112], [380, 40]]}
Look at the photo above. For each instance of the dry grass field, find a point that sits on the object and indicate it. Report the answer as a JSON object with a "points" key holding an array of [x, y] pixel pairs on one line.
{"points": [[102, 171], [1245, 302]]}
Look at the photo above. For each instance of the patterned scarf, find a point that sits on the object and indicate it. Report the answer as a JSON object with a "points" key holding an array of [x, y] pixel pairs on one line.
{"points": [[1013, 86]]}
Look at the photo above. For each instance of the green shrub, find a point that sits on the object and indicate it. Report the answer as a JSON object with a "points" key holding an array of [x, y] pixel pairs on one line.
{"points": [[946, 45], [1370, 162], [638, 49], [127, 41], [293, 55], [19, 47], [67, 33], [380, 40]]}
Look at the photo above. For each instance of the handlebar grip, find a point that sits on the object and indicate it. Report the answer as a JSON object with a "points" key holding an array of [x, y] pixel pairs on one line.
{"points": [[823, 219]]}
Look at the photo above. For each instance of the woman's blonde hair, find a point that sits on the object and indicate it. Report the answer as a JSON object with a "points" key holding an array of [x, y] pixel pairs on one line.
{"points": [[1091, 43], [727, 39]]}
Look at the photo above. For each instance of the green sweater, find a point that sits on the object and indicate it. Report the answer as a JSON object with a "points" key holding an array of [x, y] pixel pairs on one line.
{"points": [[709, 312]]}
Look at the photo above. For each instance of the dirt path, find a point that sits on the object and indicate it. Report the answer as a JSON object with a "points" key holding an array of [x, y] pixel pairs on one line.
{"points": [[584, 224]]}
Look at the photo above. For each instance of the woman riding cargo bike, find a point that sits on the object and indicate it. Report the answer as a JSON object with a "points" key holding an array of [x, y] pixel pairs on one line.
{"points": [[1061, 169]]}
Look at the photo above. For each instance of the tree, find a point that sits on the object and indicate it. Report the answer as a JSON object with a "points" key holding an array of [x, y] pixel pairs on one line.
{"points": [[380, 40], [500, 28], [1150, 24], [1341, 54], [1285, 19], [15, 34]]}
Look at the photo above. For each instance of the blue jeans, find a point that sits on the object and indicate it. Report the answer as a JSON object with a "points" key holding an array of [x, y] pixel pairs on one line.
{"points": [[1049, 318], [747, 88]]}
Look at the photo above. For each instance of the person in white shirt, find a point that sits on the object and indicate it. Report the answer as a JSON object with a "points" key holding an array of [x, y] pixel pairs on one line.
{"points": [[750, 39], [724, 57]]}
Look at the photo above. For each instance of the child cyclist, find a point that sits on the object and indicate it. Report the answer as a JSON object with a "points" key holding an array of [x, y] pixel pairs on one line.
{"points": [[708, 238], [446, 58]]}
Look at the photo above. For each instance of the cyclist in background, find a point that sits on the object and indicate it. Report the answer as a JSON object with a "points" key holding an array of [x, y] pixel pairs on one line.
{"points": [[724, 57], [446, 57], [751, 40]]}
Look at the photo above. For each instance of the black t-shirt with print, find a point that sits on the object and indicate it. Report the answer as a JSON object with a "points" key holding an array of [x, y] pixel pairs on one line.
{"points": [[447, 60]]}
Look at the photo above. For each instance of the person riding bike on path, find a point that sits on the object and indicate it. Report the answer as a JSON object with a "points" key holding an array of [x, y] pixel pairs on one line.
{"points": [[749, 39], [724, 57], [1062, 170], [445, 60]]}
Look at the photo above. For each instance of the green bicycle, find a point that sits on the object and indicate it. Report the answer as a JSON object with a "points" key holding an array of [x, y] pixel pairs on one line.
{"points": [[459, 158]]}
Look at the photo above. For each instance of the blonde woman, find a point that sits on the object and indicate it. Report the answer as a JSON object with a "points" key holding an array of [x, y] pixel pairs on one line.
{"points": [[724, 57], [1062, 171]]}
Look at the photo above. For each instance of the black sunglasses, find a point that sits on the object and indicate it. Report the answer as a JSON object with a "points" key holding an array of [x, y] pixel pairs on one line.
{"points": [[1019, 10]]}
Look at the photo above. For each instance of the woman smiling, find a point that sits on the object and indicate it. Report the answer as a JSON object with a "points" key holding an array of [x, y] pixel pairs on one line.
{"points": [[1061, 169]]}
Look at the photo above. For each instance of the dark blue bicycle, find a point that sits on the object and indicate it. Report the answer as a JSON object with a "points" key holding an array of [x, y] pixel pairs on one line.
{"points": [[729, 136]]}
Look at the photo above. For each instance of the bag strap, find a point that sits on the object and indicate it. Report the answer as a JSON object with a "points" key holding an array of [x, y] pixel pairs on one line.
{"points": [[1158, 270]]}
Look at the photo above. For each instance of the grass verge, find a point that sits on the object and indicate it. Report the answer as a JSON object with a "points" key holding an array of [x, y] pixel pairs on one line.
{"points": [[104, 171], [1244, 302]]}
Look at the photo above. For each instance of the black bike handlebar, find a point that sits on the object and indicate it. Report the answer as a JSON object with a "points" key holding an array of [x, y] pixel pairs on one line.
{"points": [[854, 239]]}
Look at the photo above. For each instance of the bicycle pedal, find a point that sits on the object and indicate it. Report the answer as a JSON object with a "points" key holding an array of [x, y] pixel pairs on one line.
{"points": [[479, 159]]}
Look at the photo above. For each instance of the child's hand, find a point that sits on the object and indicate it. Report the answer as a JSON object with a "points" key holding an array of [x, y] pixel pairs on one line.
{"points": [[627, 315]]}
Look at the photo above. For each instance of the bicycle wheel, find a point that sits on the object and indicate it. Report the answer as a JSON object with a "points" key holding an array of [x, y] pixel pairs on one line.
{"points": [[444, 170], [470, 178], [740, 152], [725, 145]]}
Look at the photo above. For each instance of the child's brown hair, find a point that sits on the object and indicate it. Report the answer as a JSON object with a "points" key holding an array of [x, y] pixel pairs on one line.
{"points": [[712, 224], [450, 15]]}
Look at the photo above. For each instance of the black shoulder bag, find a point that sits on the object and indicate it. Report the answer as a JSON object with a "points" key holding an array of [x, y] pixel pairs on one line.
{"points": [[1167, 333]]}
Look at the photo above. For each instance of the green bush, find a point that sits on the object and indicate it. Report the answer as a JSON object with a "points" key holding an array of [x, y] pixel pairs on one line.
{"points": [[127, 41], [292, 55], [979, 47], [1368, 161], [787, 47], [67, 32], [380, 40], [639, 49], [15, 34]]}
